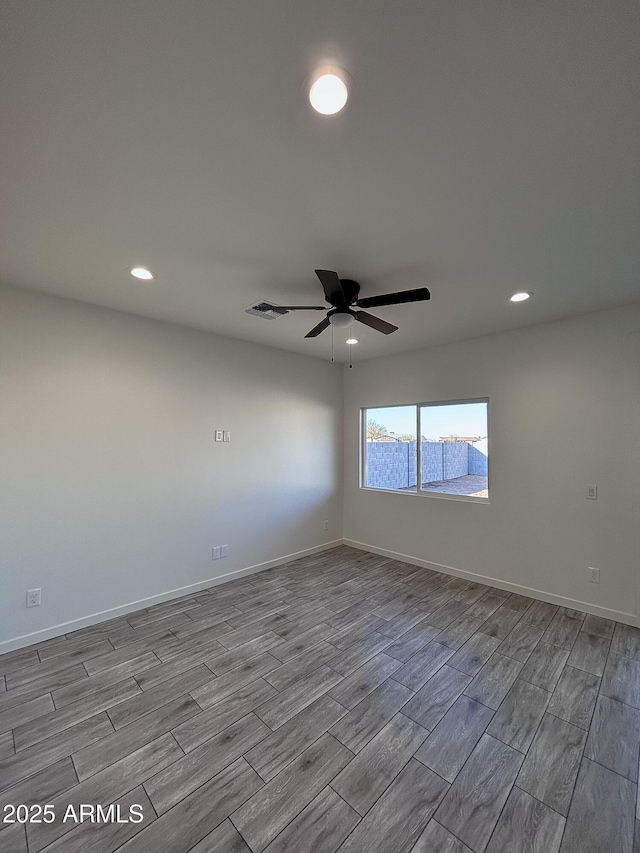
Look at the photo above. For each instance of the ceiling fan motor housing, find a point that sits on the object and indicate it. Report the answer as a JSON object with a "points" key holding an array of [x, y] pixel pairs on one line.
{"points": [[351, 289]]}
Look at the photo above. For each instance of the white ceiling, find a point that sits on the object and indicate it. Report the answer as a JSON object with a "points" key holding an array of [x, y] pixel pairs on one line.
{"points": [[487, 146]]}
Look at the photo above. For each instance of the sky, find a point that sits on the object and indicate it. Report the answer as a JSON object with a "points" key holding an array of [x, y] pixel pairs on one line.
{"points": [[453, 419]]}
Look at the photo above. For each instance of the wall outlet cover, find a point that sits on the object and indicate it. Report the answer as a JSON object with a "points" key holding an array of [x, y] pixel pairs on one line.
{"points": [[34, 597], [215, 554], [219, 435]]}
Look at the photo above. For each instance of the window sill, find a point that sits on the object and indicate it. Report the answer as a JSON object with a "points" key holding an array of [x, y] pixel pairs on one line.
{"points": [[437, 495]]}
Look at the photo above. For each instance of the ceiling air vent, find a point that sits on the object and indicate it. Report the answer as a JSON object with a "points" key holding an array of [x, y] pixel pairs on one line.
{"points": [[266, 310]]}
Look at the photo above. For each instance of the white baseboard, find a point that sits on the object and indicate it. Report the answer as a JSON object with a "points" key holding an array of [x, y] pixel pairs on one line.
{"points": [[542, 595], [122, 610]]}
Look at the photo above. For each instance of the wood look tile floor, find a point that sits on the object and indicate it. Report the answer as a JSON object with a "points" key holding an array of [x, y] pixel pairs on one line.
{"points": [[343, 701]]}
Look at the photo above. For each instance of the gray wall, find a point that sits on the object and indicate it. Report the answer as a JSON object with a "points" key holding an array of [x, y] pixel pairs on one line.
{"points": [[112, 489], [564, 413]]}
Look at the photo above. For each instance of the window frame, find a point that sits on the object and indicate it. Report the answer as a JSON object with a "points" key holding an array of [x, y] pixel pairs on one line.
{"points": [[419, 491]]}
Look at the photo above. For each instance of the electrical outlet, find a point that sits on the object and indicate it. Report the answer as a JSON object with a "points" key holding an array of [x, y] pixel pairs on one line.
{"points": [[227, 435], [219, 435], [34, 597], [594, 575], [326, 524], [215, 553], [592, 493], [224, 550]]}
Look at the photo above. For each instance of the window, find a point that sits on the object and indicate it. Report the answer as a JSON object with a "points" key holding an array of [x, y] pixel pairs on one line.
{"points": [[452, 455]]}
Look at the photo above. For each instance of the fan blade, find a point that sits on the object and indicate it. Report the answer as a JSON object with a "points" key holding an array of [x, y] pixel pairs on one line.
{"points": [[332, 287], [376, 323], [419, 295], [322, 325], [303, 307]]}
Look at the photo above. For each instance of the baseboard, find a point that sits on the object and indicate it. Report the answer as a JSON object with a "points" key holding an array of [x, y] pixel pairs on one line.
{"points": [[122, 610], [542, 595]]}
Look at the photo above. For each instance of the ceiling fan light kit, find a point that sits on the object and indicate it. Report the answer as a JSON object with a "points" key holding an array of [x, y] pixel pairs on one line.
{"points": [[342, 320]]}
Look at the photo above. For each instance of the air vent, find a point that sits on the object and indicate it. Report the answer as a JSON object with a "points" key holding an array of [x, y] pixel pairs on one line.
{"points": [[266, 310]]}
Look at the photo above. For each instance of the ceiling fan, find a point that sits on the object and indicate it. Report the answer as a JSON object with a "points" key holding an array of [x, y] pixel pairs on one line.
{"points": [[342, 295]]}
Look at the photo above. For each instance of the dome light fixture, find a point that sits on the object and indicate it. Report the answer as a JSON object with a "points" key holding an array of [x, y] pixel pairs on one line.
{"points": [[351, 341], [328, 93], [341, 320], [521, 296], [143, 273]]}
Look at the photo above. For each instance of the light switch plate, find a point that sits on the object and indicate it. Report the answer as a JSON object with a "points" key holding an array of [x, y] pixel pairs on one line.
{"points": [[592, 493], [219, 435]]}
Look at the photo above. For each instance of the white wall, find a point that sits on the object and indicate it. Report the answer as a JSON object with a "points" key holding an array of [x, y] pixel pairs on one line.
{"points": [[112, 490], [564, 413]]}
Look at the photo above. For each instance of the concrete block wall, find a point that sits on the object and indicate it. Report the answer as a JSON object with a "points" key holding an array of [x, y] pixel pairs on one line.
{"points": [[392, 464], [477, 462]]}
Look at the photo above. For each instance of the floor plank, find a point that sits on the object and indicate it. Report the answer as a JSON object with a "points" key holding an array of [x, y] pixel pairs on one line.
{"points": [[437, 839], [188, 822], [432, 701], [370, 716], [551, 766], [321, 827], [589, 652], [454, 738], [189, 772], [575, 696], [474, 654], [375, 766], [224, 839], [473, 804], [201, 727], [608, 797], [279, 748], [116, 745], [614, 737], [268, 811], [526, 826], [519, 716], [275, 712], [419, 669], [363, 681], [492, 683], [545, 665], [521, 641], [621, 680], [401, 813], [105, 787]]}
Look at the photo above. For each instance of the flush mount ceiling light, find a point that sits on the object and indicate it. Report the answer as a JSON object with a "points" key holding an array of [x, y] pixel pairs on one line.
{"points": [[143, 273], [328, 93], [341, 320], [351, 341], [521, 296]]}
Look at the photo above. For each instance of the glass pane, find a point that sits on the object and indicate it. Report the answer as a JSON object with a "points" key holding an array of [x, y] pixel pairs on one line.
{"points": [[455, 452], [390, 448]]}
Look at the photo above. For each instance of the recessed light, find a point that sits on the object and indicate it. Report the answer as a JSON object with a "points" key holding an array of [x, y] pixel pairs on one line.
{"points": [[521, 296], [142, 272], [351, 341], [328, 93]]}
